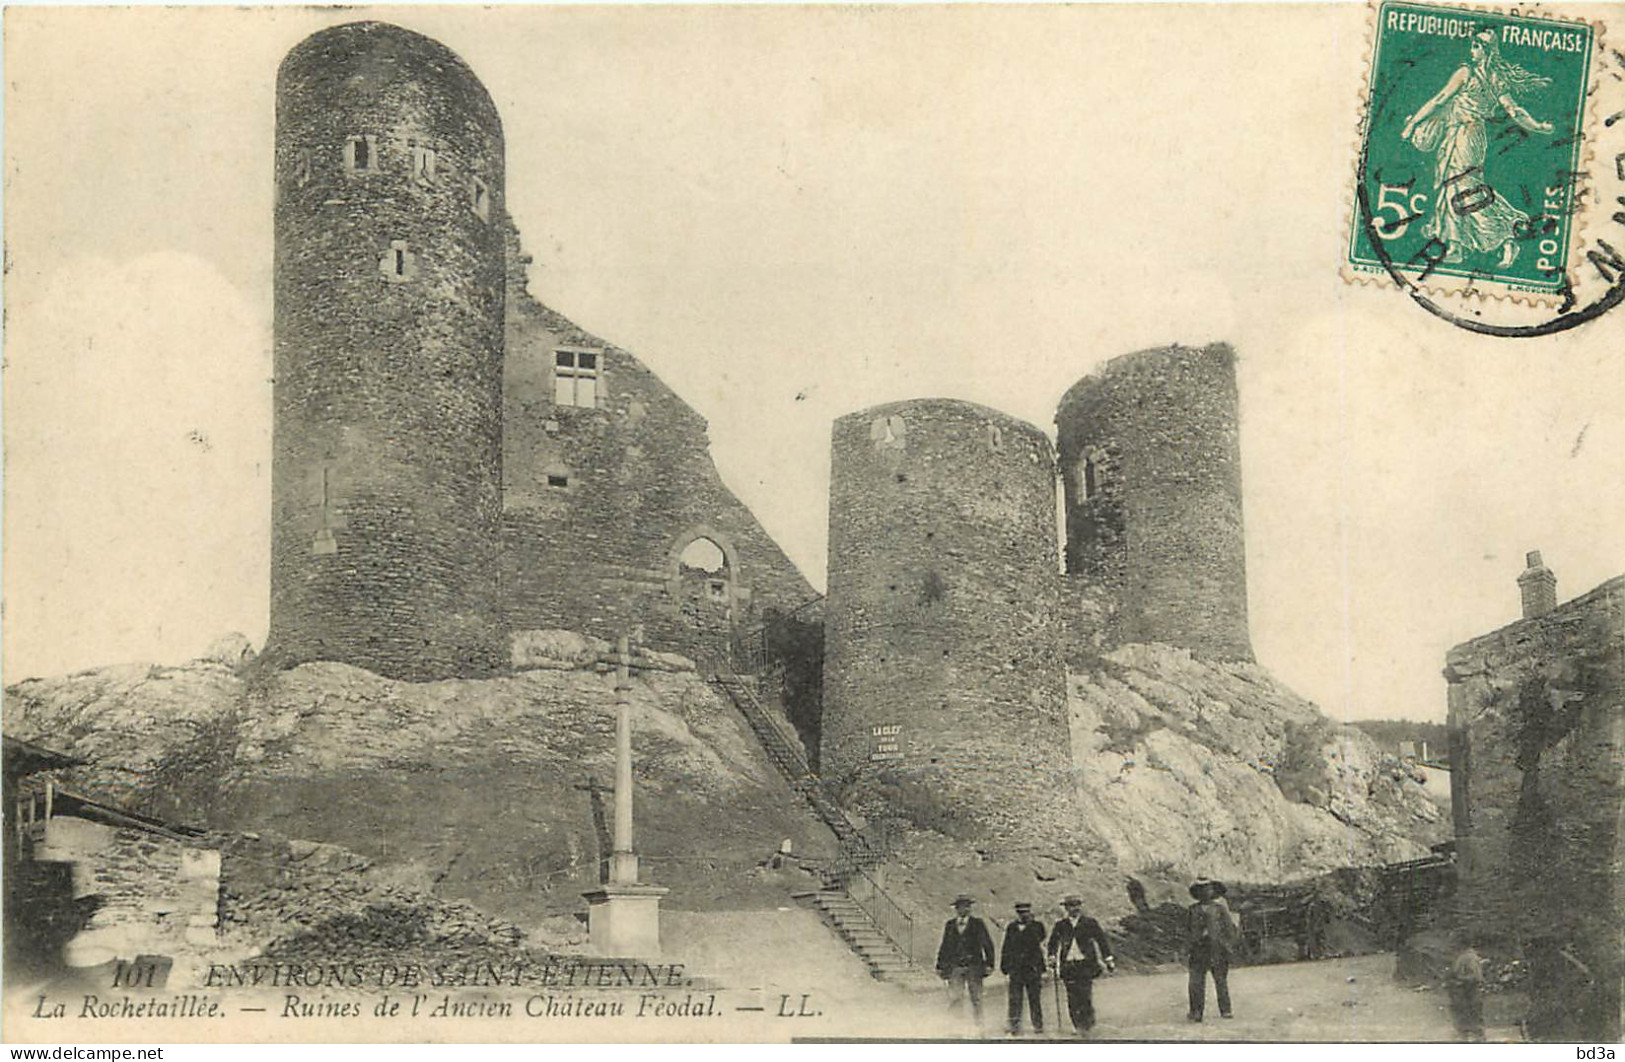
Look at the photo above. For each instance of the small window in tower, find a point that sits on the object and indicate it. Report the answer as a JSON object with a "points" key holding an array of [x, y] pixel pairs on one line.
{"points": [[1088, 486], [718, 589], [575, 377], [558, 480], [398, 264], [889, 432], [480, 197], [361, 154], [423, 162], [301, 168], [995, 438], [325, 542]]}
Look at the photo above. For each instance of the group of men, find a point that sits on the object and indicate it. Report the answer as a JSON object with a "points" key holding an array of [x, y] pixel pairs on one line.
{"points": [[1076, 951]]}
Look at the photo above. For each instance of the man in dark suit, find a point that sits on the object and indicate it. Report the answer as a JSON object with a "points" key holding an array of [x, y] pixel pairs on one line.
{"points": [[1022, 960], [965, 957], [1080, 952], [1212, 935]]}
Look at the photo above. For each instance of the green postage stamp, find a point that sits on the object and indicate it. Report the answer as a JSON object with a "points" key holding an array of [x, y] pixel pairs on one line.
{"points": [[1471, 164]]}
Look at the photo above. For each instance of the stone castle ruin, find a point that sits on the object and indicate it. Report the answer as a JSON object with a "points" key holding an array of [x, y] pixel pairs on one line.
{"points": [[459, 471], [455, 464], [949, 625]]}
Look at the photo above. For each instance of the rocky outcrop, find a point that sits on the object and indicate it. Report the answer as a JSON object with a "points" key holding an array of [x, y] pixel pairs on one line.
{"points": [[125, 721], [568, 650], [1186, 766], [496, 791], [232, 650]]}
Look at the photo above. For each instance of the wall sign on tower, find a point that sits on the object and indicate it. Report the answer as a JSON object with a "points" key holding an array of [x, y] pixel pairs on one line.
{"points": [[886, 742]]}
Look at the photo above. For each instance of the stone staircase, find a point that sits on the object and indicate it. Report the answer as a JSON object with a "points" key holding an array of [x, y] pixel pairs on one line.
{"points": [[786, 754], [843, 912], [852, 924]]}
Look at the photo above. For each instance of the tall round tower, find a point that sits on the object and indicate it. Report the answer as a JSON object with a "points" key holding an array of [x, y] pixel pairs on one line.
{"points": [[1150, 456], [944, 690], [387, 451]]}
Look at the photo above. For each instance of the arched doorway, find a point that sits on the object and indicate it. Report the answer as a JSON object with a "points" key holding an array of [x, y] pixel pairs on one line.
{"points": [[703, 581]]}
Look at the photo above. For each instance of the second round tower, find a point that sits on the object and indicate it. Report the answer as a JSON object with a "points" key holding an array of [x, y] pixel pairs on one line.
{"points": [[944, 691]]}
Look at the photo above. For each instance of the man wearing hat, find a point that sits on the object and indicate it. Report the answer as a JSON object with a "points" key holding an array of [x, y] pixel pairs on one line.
{"points": [[1212, 934], [965, 957], [1079, 950], [1022, 961]]}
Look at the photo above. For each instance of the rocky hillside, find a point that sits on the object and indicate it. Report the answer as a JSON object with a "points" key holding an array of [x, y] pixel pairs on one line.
{"points": [[1189, 767], [1184, 767], [496, 791]]}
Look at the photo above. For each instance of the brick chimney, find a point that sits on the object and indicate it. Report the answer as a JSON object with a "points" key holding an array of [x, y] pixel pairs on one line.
{"points": [[1538, 586]]}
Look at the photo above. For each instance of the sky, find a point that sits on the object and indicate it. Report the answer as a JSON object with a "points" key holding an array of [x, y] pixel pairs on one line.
{"points": [[790, 214]]}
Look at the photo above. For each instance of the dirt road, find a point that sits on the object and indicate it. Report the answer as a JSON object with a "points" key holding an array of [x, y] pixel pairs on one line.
{"points": [[1334, 1000], [1330, 1000], [1339, 1000]]}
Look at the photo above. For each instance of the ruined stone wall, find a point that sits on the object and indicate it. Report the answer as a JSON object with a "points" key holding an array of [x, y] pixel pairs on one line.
{"points": [[941, 621], [390, 285], [1151, 467], [602, 498], [1089, 617], [1537, 749], [155, 895]]}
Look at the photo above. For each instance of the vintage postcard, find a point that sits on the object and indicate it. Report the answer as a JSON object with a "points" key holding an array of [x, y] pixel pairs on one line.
{"points": [[705, 524]]}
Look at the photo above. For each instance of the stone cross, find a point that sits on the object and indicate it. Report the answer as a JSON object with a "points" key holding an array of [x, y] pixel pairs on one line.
{"points": [[623, 866], [623, 916]]}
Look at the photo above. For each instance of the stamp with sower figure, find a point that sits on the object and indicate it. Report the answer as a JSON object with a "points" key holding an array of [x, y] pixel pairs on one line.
{"points": [[1473, 169]]}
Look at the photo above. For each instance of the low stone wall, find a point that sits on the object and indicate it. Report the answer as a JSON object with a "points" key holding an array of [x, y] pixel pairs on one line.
{"points": [[157, 895]]}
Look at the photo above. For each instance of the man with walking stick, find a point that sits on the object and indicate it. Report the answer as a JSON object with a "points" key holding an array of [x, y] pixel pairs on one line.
{"points": [[1079, 952]]}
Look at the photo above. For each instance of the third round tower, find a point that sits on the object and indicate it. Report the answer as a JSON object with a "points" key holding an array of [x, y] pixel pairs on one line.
{"points": [[1150, 458]]}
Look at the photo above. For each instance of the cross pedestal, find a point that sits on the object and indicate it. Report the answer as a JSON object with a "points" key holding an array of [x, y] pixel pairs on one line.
{"points": [[624, 920]]}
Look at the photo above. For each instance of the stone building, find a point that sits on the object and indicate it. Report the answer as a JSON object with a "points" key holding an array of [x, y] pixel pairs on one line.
{"points": [[454, 462], [1537, 749], [614, 516], [89, 883]]}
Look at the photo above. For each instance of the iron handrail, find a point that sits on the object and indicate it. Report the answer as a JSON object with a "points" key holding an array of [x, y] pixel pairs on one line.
{"points": [[751, 643], [859, 850], [805, 605], [728, 677], [886, 913]]}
